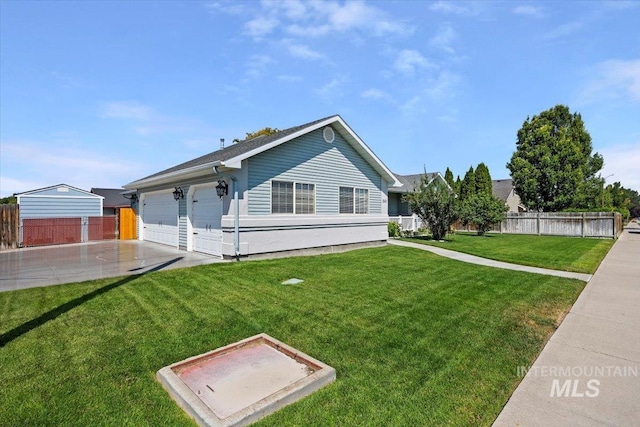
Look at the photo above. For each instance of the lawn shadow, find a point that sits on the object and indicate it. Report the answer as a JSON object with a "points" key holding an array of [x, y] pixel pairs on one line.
{"points": [[69, 305]]}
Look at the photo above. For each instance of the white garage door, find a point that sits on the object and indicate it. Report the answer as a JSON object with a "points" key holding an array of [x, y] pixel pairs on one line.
{"points": [[160, 217], [206, 217]]}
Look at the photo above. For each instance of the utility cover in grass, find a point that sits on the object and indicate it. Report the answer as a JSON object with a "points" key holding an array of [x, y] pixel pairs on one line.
{"points": [[293, 281]]}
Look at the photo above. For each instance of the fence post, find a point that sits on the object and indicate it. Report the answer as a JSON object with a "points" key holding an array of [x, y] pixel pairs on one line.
{"points": [[538, 222], [584, 223]]}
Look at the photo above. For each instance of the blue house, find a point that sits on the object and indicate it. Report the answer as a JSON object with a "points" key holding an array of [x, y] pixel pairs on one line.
{"points": [[315, 186]]}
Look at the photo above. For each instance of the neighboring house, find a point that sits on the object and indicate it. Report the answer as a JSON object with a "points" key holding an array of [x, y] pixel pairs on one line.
{"points": [[113, 200], [398, 209], [317, 185], [115, 204], [59, 201], [504, 190]]}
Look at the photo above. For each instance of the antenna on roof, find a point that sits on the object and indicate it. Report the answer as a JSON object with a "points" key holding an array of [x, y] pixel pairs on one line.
{"points": [[221, 143]]}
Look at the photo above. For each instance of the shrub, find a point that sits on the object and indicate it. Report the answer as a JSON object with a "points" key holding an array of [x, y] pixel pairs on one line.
{"points": [[394, 229]]}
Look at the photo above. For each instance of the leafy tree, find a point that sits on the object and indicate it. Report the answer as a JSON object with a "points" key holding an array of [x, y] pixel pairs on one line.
{"points": [[483, 179], [434, 203], [468, 185], [9, 200], [482, 210], [552, 167], [456, 189], [262, 132], [448, 176]]}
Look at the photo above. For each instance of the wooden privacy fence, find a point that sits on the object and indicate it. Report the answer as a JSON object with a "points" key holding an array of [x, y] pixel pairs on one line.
{"points": [[9, 226], [56, 231], [578, 224]]}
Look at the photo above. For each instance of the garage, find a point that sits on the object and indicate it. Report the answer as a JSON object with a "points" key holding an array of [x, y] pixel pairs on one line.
{"points": [[160, 219], [206, 221]]}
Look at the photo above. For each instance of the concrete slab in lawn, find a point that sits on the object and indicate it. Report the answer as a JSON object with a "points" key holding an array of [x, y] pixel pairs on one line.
{"points": [[240, 383], [54, 265]]}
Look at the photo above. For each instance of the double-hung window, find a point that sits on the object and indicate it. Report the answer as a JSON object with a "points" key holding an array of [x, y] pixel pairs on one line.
{"points": [[292, 198], [354, 200]]}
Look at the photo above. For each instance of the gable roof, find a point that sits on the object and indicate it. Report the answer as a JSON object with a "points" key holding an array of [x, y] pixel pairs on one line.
{"points": [[52, 187], [113, 197], [501, 188], [409, 182], [232, 156]]}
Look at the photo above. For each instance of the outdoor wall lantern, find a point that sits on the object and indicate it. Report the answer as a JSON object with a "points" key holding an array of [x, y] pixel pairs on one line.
{"points": [[222, 189], [178, 194]]}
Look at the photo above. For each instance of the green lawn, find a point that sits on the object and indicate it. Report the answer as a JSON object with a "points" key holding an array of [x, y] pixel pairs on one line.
{"points": [[555, 252], [416, 339]]}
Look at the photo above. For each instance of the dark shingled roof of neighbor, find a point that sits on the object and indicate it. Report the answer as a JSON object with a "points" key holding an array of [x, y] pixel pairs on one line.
{"points": [[112, 197], [409, 182], [501, 188]]}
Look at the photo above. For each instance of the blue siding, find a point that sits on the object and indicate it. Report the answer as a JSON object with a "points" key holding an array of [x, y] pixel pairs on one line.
{"points": [[182, 219], [310, 159], [59, 207]]}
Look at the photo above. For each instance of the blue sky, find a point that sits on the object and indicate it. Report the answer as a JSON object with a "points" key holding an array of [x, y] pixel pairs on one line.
{"points": [[98, 94]]}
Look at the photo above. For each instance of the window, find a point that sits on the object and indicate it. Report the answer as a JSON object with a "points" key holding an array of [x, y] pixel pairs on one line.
{"points": [[305, 199], [281, 197], [354, 200], [290, 198], [362, 201]]}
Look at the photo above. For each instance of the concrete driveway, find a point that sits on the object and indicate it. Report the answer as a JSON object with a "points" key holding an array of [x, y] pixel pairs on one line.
{"points": [[54, 265]]}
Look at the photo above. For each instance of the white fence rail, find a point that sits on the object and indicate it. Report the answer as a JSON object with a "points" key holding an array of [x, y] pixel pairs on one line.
{"points": [[578, 224]]}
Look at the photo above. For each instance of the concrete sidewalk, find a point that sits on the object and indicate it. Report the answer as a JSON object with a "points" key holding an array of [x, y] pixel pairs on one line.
{"points": [[489, 262], [588, 374]]}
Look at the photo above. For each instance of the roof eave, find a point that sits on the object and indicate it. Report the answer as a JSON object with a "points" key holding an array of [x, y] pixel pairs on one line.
{"points": [[192, 172]]}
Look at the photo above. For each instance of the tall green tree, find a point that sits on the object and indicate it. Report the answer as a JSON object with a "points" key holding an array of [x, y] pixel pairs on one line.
{"points": [[553, 168], [448, 176], [483, 179], [468, 185], [435, 204]]}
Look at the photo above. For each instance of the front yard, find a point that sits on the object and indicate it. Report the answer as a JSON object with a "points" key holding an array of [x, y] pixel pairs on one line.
{"points": [[555, 252], [416, 339]]}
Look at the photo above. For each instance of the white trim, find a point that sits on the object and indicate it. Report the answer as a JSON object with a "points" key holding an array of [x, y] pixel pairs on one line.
{"points": [[57, 186], [171, 175], [43, 196]]}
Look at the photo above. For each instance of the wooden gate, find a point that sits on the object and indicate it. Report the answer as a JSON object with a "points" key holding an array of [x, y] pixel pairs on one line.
{"points": [[127, 225]]}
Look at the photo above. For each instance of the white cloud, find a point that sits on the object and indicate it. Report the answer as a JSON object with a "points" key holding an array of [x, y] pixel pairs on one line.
{"points": [[527, 10], [332, 90], [444, 85], [614, 79], [454, 8], [260, 26], [622, 161], [129, 110], [565, 30], [302, 51], [443, 39], [258, 64], [374, 94], [409, 61], [289, 78], [77, 167], [228, 7]]}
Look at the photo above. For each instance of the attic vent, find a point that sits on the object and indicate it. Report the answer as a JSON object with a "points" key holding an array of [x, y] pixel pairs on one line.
{"points": [[63, 190], [328, 134]]}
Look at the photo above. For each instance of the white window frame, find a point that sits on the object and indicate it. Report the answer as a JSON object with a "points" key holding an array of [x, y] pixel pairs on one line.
{"points": [[294, 184], [354, 201]]}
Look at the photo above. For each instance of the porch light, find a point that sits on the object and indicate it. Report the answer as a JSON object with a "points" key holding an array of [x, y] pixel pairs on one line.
{"points": [[178, 193], [222, 189]]}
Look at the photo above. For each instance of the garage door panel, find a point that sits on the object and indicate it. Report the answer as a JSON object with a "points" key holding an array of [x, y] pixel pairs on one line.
{"points": [[160, 217], [206, 214]]}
